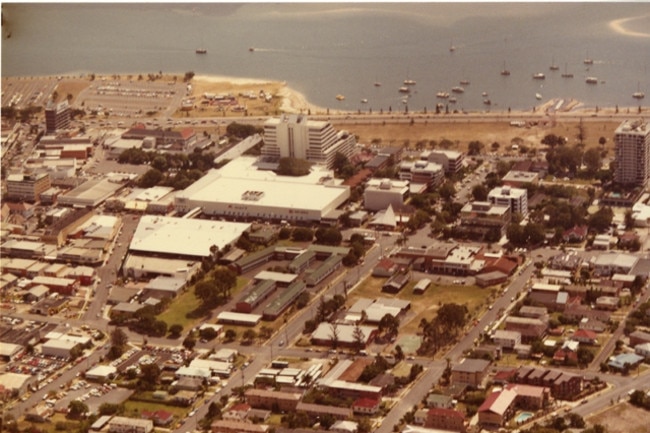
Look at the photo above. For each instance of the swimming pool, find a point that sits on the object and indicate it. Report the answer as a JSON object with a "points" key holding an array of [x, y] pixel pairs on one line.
{"points": [[523, 417]]}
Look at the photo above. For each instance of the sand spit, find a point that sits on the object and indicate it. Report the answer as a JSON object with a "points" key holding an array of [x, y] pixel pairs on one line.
{"points": [[619, 27]]}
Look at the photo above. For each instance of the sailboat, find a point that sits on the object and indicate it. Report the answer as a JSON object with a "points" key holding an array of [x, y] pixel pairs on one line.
{"points": [[505, 72], [553, 66], [566, 74], [452, 48], [588, 60], [638, 94]]}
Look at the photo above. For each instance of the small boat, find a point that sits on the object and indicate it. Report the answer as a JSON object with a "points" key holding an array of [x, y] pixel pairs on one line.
{"points": [[442, 95], [588, 60], [566, 74], [505, 72], [538, 96], [457, 89], [553, 66], [377, 84], [404, 89], [364, 101], [464, 82], [251, 49], [452, 48], [453, 100], [408, 82], [591, 80], [340, 97], [539, 76], [487, 102], [405, 101], [201, 51], [484, 94]]}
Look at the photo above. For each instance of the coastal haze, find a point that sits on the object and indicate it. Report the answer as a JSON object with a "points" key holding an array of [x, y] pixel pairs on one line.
{"points": [[325, 50]]}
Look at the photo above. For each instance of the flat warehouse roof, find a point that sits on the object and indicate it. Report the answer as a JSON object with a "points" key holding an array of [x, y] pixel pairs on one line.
{"points": [[270, 193], [183, 237]]}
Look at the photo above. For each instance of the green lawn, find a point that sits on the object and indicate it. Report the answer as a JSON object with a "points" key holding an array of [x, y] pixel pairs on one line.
{"points": [[135, 408], [426, 304], [180, 309]]}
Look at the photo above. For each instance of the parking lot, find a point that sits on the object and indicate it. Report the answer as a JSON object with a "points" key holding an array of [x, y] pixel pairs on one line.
{"points": [[131, 98], [22, 92]]}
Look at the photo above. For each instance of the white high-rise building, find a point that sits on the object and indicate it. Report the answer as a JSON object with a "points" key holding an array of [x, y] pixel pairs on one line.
{"points": [[515, 198], [632, 140], [297, 137]]}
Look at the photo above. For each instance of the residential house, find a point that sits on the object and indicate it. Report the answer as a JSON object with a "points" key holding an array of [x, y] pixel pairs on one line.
{"points": [[643, 350], [445, 419], [575, 234], [639, 337], [497, 408], [227, 426], [160, 418], [530, 329], [470, 372], [506, 339], [272, 400], [567, 354], [585, 336], [318, 410], [440, 401], [366, 406], [238, 412], [121, 424]]}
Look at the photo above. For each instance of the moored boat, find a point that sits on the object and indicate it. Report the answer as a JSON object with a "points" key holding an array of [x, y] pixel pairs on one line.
{"points": [[409, 82], [591, 80], [538, 96], [364, 101], [340, 97], [442, 95], [404, 89], [539, 76], [457, 89], [487, 102], [201, 51], [464, 82]]}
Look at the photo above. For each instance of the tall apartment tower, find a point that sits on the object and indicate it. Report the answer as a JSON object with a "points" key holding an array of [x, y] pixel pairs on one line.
{"points": [[632, 140], [297, 137], [57, 116]]}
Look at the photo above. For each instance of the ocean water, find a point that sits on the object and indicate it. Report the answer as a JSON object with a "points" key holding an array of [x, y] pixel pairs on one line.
{"points": [[324, 50]]}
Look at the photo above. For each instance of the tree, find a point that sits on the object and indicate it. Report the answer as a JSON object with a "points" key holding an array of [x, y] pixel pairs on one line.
{"points": [[474, 147], [447, 190], [592, 160], [189, 342], [334, 335], [389, 325], [149, 376], [187, 77], [293, 167], [302, 234], [399, 353], [480, 192], [601, 220], [77, 409], [175, 330], [249, 335], [359, 337], [151, 178], [230, 335], [328, 236]]}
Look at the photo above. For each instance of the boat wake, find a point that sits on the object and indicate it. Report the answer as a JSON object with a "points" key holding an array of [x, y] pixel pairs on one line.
{"points": [[619, 27]]}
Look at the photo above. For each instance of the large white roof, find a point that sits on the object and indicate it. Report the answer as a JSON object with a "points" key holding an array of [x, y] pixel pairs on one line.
{"points": [[271, 192], [183, 237]]}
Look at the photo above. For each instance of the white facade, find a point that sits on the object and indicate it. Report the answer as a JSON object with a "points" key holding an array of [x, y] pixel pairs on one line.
{"points": [[120, 424], [297, 137], [632, 140], [515, 198], [379, 194]]}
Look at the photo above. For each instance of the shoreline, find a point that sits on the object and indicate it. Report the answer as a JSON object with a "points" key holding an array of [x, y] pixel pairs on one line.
{"points": [[295, 102]]}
